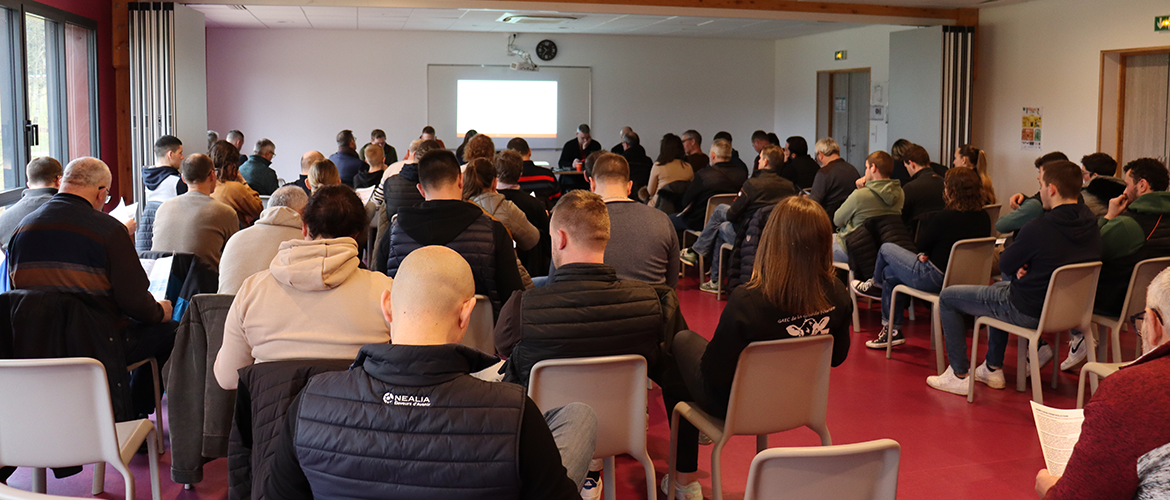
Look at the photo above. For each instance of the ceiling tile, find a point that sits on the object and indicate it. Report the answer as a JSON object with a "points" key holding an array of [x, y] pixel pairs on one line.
{"points": [[316, 11]]}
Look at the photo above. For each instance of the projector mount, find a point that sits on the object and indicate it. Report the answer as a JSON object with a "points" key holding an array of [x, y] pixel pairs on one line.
{"points": [[526, 64]]}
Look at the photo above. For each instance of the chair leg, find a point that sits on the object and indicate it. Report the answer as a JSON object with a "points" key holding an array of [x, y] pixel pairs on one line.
{"points": [[853, 298], [761, 442], [716, 474], [971, 369], [936, 340], [911, 309], [99, 477], [823, 431], [158, 416], [1081, 390], [672, 458], [890, 341], [1021, 356], [153, 450], [1056, 361], [40, 481], [1034, 355], [1115, 337], [610, 473], [648, 466]]}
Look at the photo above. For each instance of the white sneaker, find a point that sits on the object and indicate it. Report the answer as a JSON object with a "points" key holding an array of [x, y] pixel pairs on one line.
{"points": [[692, 491], [993, 378], [1078, 351], [591, 490], [1045, 354], [948, 382]]}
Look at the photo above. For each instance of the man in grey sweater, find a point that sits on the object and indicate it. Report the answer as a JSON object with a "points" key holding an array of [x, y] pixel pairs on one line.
{"points": [[194, 222], [44, 178]]}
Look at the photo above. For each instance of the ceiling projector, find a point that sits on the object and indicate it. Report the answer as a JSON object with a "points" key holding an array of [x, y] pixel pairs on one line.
{"points": [[526, 63], [524, 66]]}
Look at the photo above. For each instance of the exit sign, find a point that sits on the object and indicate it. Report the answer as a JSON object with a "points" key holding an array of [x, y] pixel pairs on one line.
{"points": [[840, 55], [1162, 23]]}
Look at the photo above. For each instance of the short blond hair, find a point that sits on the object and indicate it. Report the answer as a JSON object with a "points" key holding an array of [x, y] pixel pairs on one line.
{"points": [[323, 173], [721, 149], [828, 146], [584, 216]]}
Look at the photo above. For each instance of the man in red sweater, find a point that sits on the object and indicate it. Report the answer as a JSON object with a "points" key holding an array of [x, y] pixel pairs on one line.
{"points": [[1124, 449]]}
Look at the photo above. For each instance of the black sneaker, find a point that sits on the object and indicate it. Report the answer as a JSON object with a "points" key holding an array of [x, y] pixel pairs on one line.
{"points": [[867, 288], [880, 341]]}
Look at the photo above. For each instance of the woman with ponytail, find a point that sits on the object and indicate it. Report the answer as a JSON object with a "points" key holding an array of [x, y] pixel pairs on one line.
{"points": [[971, 156], [479, 187]]}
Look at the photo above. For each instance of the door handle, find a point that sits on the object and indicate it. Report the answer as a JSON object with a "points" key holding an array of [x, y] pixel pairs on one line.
{"points": [[32, 133]]}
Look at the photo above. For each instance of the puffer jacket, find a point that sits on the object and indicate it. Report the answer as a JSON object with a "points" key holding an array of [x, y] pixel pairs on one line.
{"points": [[495, 205], [743, 257], [766, 189], [399, 190], [863, 243]]}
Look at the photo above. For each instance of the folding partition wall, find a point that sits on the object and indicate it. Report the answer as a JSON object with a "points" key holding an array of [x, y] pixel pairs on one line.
{"points": [[958, 64]]}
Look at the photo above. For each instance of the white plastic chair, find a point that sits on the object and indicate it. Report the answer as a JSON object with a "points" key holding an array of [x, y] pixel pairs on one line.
{"points": [[725, 252], [852, 294], [993, 213], [57, 413], [969, 264], [1133, 305], [480, 330], [712, 202], [1068, 304], [10, 493], [759, 405], [859, 471], [1095, 370], [158, 420], [620, 405]]}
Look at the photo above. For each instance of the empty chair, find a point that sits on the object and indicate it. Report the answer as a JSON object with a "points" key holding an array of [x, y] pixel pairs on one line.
{"points": [[479, 329], [712, 202], [1068, 304], [860, 471], [620, 406], [759, 405], [852, 295], [1133, 305], [969, 264], [56, 412], [1097, 370]]}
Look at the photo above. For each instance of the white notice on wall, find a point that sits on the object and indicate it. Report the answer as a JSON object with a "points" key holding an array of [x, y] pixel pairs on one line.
{"points": [[1059, 431]]}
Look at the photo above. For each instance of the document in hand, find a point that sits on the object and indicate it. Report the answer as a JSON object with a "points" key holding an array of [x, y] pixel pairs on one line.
{"points": [[1059, 431]]}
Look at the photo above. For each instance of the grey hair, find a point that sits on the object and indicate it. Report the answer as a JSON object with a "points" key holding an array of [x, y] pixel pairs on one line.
{"points": [[721, 149], [87, 171], [289, 196], [828, 146], [264, 146], [1158, 295]]}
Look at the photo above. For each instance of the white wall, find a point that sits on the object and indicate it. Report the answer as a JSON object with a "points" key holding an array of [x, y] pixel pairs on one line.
{"points": [[300, 87], [799, 59], [1047, 53], [915, 89], [190, 78]]}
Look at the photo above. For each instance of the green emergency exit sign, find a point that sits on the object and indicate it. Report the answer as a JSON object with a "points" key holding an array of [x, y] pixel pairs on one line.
{"points": [[1162, 23]]}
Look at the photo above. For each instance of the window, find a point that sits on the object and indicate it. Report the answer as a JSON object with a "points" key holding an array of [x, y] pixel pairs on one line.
{"points": [[48, 91]]}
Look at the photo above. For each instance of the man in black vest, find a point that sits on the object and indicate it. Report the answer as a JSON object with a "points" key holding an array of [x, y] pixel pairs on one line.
{"points": [[445, 219], [409, 421]]}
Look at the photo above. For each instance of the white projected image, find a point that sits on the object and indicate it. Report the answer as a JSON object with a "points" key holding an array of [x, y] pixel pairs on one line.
{"points": [[507, 108]]}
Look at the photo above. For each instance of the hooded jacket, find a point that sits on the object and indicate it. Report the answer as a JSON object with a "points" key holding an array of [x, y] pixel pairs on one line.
{"points": [[1065, 235], [162, 183], [1136, 235], [313, 302], [461, 226], [878, 197], [495, 205], [251, 250]]}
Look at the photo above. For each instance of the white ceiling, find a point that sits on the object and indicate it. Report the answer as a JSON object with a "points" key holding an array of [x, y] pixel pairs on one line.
{"points": [[390, 18]]}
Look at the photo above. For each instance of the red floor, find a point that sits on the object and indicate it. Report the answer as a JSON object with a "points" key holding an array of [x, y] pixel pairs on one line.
{"points": [[950, 449]]}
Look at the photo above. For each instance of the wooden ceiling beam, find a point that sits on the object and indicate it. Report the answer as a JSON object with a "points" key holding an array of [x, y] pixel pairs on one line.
{"points": [[959, 16]]}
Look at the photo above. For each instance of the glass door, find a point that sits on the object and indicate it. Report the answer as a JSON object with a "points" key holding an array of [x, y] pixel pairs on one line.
{"points": [[11, 108]]}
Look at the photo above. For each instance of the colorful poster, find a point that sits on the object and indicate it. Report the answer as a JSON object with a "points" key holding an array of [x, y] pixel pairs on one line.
{"points": [[1030, 133]]}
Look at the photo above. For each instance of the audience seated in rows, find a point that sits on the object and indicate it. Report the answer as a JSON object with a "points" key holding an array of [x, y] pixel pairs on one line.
{"points": [[721, 177], [1100, 186], [371, 431], [445, 219], [1065, 234], [836, 179], [68, 245], [973, 157], [44, 179], [162, 182], [799, 167], [1123, 449], [876, 195], [536, 179], [257, 171], [378, 138], [509, 168], [230, 188], [1026, 208], [346, 158], [796, 247], [251, 250], [307, 161], [962, 218], [372, 176], [313, 301], [924, 191], [575, 150], [766, 188], [194, 222], [670, 167]]}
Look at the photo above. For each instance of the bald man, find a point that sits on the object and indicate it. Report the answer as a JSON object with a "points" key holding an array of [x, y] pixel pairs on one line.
{"points": [[69, 246], [371, 432], [307, 161]]}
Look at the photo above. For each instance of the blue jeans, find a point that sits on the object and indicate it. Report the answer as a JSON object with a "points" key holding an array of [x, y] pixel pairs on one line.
{"points": [[717, 232], [975, 300], [679, 224], [574, 429], [839, 254], [897, 266]]}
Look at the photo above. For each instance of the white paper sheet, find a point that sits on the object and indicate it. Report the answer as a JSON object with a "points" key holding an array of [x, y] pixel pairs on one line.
{"points": [[124, 212], [160, 277], [1059, 431]]}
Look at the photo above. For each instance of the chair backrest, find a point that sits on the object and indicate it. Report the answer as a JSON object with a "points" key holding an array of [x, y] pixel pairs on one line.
{"points": [[10, 493], [860, 471], [716, 200], [56, 412], [970, 262], [479, 330], [993, 213], [1143, 273], [1068, 303], [614, 386], [761, 404]]}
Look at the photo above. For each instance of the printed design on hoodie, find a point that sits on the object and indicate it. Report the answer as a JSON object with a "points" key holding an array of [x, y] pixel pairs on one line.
{"points": [[809, 325]]}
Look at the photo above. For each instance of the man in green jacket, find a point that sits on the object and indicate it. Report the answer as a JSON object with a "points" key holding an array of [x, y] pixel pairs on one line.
{"points": [[1134, 229], [877, 194], [258, 169]]}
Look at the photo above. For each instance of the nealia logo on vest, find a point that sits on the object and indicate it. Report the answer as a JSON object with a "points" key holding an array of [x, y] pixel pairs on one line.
{"points": [[405, 400]]}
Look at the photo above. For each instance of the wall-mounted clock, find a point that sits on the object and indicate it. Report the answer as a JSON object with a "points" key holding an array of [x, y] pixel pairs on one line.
{"points": [[546, 50]]}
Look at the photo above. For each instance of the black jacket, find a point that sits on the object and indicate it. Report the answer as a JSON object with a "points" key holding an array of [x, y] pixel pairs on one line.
{"points": [[863, 243], [743, 257], [536, 260], [348, 164], [300, 182], [408, 422], [941, 230], [399, 190], [801, 170], [720, 178], [541, 183], [923, 195], [585, 311], [833, 184], [463, 227], [698, 161], [1067, 234], [572, 151], [766, 189]]}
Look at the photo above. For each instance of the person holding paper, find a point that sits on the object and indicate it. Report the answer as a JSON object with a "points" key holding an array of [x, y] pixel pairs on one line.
{"points": [[1124, 447]]}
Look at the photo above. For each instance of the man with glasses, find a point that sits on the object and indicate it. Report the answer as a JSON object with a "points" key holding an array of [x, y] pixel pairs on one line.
{"points": [[258, 169], [69, 246]]}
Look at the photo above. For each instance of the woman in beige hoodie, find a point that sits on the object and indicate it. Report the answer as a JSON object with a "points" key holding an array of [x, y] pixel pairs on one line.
{"points": [[313, 302]]}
